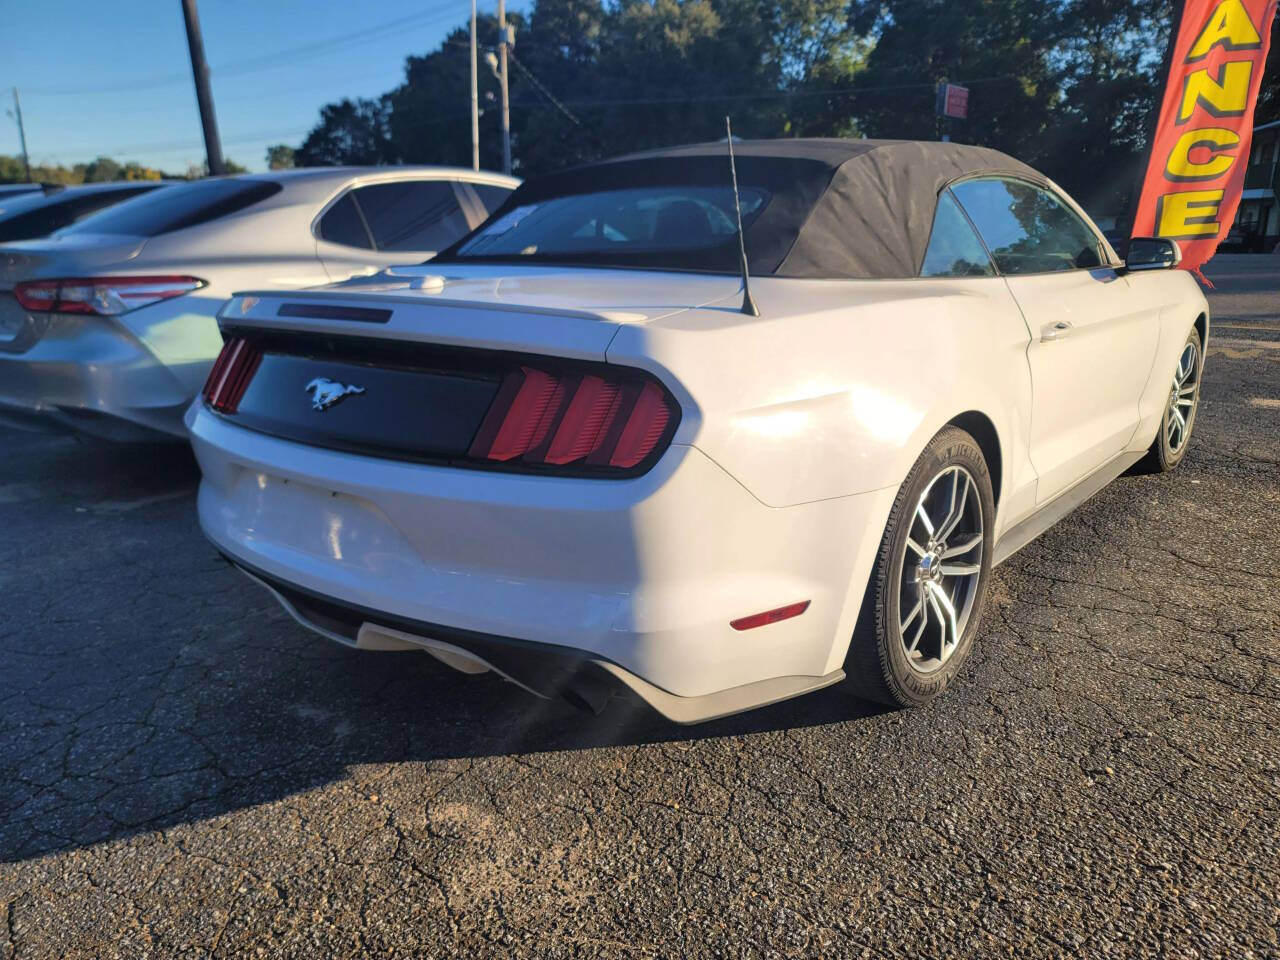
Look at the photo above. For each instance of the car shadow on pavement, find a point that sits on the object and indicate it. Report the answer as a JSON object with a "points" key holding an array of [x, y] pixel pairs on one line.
{"points": [[146, 684], [272, 711]]}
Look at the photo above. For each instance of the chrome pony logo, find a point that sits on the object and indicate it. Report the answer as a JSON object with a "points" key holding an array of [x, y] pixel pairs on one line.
{"points": [[325, 392]]}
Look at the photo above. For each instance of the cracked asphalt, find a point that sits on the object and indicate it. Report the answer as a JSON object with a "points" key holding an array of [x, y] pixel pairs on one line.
{"points": [[186, 772]]}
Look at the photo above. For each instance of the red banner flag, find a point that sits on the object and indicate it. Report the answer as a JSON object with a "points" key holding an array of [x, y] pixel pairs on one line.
{"points": [[1195, 174]]}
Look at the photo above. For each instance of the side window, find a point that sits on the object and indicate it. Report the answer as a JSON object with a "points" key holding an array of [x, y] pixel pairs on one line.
{"points": [[419, 215], [341, 223], [1027, 229], [954, 249]]}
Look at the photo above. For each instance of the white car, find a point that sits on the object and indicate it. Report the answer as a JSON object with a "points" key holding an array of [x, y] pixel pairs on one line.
{"points": [[568, 451], [108, 328]]}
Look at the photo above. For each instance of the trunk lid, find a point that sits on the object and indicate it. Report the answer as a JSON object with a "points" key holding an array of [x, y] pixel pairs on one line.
{"points": [[413, 364], [73, 255], [563, 312]]}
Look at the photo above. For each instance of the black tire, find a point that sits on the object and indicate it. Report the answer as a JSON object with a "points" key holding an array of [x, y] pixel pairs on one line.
{"points": [[879, 665], [1164, 455]]}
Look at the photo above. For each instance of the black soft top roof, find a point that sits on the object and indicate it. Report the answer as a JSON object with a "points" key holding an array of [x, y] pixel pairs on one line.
{"points": [[847, 209]]}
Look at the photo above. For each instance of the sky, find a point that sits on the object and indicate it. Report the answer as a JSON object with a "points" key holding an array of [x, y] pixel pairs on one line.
{"points": [[115, 79]]}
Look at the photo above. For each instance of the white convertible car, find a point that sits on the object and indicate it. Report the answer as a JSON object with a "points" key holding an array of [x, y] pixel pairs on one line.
{"points": [[569, 450]]}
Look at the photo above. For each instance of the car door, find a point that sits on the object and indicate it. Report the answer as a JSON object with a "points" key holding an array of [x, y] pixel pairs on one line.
{"points": [[1093, 336], [378, 225]]}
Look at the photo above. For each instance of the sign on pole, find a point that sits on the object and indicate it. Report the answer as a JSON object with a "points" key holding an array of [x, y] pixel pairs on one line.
{"points": [[1195, 173], [952, 101]]}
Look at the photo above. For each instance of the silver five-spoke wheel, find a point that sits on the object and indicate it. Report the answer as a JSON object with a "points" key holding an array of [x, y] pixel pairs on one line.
{"points": [[941, 567], [1182, 397]]}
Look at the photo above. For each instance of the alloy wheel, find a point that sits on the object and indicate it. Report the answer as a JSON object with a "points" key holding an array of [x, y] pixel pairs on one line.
{"points": [[1183, 397], [941, 569]]}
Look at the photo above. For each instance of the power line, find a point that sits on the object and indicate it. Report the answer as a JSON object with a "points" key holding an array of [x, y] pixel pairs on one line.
{"points": [[268, 61], [542, 88]]}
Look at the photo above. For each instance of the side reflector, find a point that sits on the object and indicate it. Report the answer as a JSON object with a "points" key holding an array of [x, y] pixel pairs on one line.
{"points": [[770, 616]]}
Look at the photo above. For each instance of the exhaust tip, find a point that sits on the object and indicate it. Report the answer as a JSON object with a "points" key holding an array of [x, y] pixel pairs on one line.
{"points": [[588, 693]]}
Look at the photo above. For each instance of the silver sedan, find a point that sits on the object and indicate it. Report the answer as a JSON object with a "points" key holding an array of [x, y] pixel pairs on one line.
{"points": [[108, 327]]}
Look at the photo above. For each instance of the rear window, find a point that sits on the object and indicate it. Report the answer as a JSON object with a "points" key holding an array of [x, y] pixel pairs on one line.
{"points": [[174, 208], [38, 215], [661, 224]]}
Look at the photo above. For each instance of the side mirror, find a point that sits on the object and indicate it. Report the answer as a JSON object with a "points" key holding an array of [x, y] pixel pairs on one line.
{"points": [[1152, 253]]}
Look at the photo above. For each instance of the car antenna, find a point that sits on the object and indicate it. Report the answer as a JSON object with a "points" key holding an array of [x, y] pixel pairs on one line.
{"points": [[748, 305]]}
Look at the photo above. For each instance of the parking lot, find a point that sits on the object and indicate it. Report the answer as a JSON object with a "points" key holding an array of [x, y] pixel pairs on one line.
{"points": [[187, 772]]}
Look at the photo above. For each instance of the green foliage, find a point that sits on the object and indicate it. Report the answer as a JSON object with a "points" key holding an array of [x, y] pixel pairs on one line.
{"points": [[352, 131], [997, 48], [1068, 85], [100, 170], [627, 75], [1269, 95], [280, 157]]}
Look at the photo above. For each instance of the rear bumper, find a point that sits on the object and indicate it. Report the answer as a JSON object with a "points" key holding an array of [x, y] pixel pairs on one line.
{"points": [[89, 375], [544, 669], [639, 577]]}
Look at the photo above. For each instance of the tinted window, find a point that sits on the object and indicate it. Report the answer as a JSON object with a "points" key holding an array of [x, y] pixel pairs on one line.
{"points": [[38, 215], [422, 215], [954, 249], [492, 197], [1027, 229], [184, 205], [641, 220], [342, 224]]}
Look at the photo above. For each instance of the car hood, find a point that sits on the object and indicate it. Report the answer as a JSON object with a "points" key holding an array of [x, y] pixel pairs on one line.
{"points": [[72, 255], [621, 296]]}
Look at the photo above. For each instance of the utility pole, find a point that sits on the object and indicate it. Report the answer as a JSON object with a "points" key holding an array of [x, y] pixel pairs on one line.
{"points": [[475, 96], [22, 133], [503, 38], [200, 69]]}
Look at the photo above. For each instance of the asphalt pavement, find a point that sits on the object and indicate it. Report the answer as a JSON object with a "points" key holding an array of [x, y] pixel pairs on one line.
{"points": [[186, 772]]}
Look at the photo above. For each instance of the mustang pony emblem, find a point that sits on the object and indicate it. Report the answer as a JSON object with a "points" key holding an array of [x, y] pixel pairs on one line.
{"points": [[325, 392]]}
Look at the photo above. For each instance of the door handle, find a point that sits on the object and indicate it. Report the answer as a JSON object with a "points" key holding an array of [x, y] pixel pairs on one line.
{"points": [[1054, 331]]}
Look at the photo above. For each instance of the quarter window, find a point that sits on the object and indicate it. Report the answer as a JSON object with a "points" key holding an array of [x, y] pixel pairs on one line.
{"points": [[491, 196], [342, 224], [412, 215], [954, 249], [1026, 228]]}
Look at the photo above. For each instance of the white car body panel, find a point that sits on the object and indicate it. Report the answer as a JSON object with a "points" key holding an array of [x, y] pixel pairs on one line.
{"points": [[797, 429], [1093, 340]]}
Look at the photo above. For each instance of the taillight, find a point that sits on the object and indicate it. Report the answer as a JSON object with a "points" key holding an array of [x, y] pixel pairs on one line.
{"points": [[580, 419], [231, 373], [104, 296]]}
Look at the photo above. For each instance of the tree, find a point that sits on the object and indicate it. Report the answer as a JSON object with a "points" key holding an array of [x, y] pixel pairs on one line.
{"points": [[103, 169], [1110, 53], [349, 132], [1269, 96], [998, 48], [280, 157], [429, 118], [11, 171], [590, 79]]}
